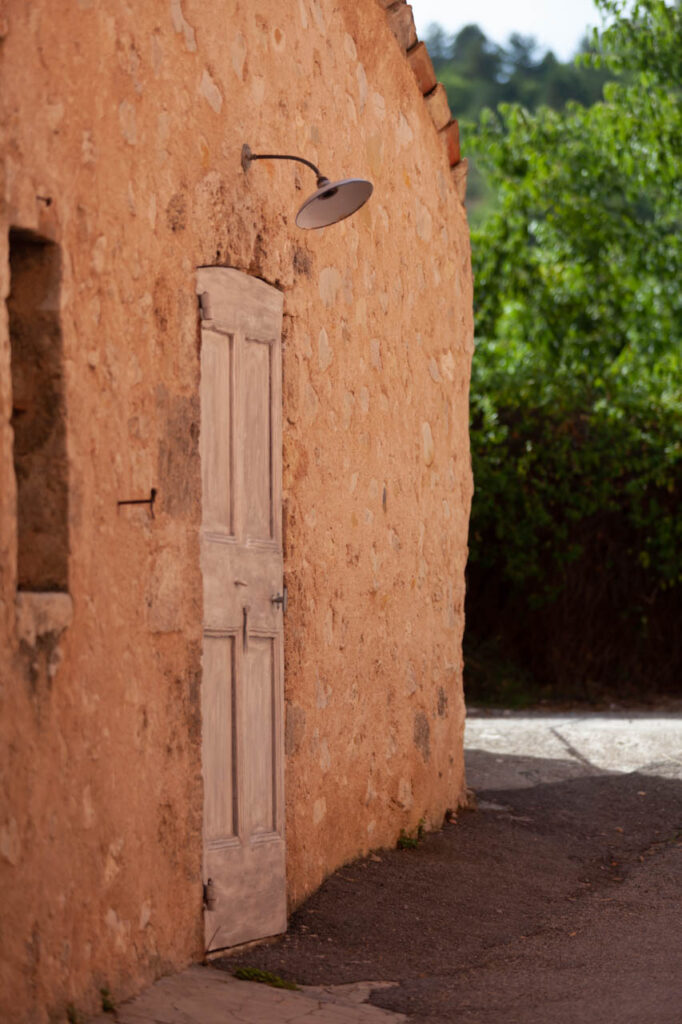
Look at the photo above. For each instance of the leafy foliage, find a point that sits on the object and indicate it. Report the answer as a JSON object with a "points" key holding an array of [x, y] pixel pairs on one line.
{"points": [[263, 978], [479, 74], [411, 840], [576, 404]]}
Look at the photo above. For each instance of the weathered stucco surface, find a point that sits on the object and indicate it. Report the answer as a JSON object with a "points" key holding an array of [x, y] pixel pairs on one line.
{"points": [[122, 130]]}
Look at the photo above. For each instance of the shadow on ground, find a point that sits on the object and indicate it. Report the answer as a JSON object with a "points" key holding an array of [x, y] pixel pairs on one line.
{"points": [[554, 903]]}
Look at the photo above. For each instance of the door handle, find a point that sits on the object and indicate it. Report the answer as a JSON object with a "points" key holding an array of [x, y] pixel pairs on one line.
{"points": [[282, 599], [245, 626]]}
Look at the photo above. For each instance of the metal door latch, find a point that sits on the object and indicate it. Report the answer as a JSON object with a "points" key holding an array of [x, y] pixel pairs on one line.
{"points": [[245, 626], [205, 306], [281, 599], [210, 895]]}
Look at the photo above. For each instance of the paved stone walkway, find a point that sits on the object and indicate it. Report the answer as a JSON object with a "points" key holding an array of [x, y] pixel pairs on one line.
{"points": [[548, 747], [200, 995]]}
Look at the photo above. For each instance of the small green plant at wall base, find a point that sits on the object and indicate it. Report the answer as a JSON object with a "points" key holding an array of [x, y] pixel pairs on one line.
{"points": [[410, 840], [264, 978], [73, 1016], [107, 1002]]}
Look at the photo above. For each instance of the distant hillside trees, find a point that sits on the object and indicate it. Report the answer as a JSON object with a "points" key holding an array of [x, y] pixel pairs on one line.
{"points": [[478, 73], [575, 574]]}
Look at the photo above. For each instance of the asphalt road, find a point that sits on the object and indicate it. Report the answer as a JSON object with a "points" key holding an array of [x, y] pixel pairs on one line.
{"points": [[558, 901]]}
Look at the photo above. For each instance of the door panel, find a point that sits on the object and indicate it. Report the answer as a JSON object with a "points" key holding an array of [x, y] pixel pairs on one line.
{"points": [[256, 399], [218, 699], [217, 444], [241, 554], [259, 707]]}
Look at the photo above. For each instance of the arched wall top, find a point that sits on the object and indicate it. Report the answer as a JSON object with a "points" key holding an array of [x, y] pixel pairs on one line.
{"points": [[401, 23]]}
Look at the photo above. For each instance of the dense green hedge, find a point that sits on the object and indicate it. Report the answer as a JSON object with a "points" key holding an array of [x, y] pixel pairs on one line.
{"points": [[553, 450], [577, 378]]}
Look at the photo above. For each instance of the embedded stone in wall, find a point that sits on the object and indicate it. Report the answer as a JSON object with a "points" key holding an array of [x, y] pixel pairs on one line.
{"points": [[424, 222], [319, 810], [361, 78], [238, 55], [181, 25], [128, 120], [404, 133], [428, 448], [330, 282], [324, 351], [349, 46], [210, 91], [447, 364]]}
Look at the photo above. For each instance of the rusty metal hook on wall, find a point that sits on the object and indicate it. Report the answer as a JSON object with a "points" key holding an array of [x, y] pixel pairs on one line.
{"points": [[142, 501]]}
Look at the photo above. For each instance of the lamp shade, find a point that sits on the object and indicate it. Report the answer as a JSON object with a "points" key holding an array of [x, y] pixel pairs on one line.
{"points": [[334, 201]]}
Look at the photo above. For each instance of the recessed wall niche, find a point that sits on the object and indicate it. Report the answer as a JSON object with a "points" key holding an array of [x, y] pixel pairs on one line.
{"points": [[38, 413]]}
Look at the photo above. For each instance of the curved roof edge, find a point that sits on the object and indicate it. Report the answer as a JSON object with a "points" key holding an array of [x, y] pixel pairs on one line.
{"points": [[401, 23]]}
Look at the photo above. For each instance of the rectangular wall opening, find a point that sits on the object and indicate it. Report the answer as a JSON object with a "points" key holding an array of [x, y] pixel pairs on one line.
{"points": [[38, 413]]}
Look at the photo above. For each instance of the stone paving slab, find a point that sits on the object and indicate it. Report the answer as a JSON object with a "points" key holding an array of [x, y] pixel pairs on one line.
{"points": [[201, 995], [548, 747]]}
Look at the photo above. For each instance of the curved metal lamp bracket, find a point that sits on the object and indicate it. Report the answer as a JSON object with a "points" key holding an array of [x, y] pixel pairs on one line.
{"points": [[248, 156]]}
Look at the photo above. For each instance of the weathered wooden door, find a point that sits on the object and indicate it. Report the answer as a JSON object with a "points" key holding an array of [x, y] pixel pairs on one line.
{"points": [[241, 557]]}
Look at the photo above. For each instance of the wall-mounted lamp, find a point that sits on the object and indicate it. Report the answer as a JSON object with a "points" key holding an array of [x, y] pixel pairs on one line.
{"points": [[333, 201]]}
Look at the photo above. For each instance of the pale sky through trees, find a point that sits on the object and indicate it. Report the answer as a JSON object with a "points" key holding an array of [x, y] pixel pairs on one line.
{"points": [[558, 25]]}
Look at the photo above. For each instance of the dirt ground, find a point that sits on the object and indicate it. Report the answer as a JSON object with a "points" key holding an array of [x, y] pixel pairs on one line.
{"points": [[555, 902]]}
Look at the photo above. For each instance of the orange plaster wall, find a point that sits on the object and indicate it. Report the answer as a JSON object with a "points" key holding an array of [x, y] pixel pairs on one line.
{"points": [[131, 119]]}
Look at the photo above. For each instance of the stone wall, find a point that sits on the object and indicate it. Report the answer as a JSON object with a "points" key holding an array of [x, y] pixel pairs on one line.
{"points": [[123, 126]]}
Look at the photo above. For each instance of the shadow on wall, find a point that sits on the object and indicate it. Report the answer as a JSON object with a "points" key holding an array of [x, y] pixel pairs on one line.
{"points": [[38, 413]]}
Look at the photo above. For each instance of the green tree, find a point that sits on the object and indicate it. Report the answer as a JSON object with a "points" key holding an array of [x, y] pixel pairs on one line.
{"points": [[576, 407], [478, 73], [438, 43], [475, 56]]}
